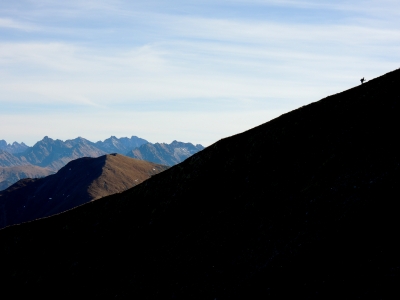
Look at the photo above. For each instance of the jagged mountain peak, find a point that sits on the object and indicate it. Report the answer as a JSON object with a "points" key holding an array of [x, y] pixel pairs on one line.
{"points": [[47, 141], [15, 147], [79, 138], [47, 138]]}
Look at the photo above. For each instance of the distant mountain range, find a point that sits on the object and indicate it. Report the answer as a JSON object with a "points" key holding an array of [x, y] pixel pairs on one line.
{"points": [[120, 145], [165, 154], [52, 154], [80, 181], [12, 148]]}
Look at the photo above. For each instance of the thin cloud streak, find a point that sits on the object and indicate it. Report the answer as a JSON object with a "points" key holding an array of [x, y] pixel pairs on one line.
{"points": [[12, 24], [371, 7], [192, 68]]}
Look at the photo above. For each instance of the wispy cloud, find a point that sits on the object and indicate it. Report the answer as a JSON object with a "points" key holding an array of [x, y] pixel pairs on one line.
{"points": [[362, 6], [273, 33], [12, 24], [201, 58]]}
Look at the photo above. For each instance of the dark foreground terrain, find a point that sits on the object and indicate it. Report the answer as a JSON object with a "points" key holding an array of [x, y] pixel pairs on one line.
{"points": [[304, 206]]}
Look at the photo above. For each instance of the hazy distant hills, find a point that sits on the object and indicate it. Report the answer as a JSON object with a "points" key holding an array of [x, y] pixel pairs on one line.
{"points": [[8, 160], [14, 168], [165, 154], [12, 148], [54, 154], [10, 175], [80, 181], [304, 206]]}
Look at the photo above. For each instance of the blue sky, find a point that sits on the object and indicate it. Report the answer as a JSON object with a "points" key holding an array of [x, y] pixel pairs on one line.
{"points": [[194, 71]]}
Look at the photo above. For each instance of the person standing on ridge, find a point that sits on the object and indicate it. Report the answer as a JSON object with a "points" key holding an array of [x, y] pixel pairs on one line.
{"points": [[362, 80]]}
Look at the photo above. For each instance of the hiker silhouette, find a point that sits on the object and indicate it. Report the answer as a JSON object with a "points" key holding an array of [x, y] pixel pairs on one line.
{"points": [[362, 80]]}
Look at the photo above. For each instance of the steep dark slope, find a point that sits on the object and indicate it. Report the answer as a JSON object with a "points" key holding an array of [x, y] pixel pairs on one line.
{"points": [[79, 182], [303, 206], [166, 154]]}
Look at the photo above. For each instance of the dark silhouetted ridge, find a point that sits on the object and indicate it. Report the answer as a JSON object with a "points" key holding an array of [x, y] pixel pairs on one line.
{"points": [[304, 206]]}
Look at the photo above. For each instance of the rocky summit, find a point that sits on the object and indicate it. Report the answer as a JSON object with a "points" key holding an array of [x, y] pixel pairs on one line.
{"points": [[304, 206]]}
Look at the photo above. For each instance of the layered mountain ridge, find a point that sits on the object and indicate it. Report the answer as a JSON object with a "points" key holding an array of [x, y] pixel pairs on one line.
{"points": [[54, 154], [80, 181], [10, 175]]}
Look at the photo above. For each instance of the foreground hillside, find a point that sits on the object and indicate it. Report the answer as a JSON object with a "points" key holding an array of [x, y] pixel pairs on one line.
{"points": [[304, 206], [80, 181]]}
